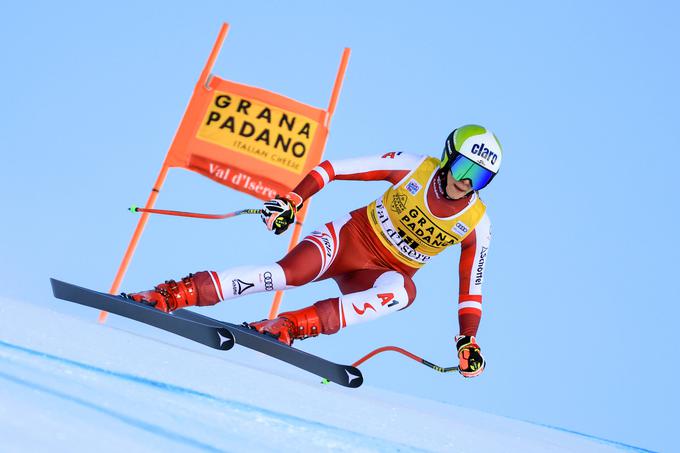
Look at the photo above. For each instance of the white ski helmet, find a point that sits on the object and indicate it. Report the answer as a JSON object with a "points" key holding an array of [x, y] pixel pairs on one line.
{"points": [[472, 152]]}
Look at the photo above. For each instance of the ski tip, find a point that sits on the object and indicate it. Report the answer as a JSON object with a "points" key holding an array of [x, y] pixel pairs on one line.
{"points": [[225, 339], [354, 377], [57, 286]]}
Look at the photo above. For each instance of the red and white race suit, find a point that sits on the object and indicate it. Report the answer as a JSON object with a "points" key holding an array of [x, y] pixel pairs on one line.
{"points": [[374, 251]]}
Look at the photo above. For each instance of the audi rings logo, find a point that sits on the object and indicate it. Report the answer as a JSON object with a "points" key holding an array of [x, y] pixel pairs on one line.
{"points": [[268, 281]]}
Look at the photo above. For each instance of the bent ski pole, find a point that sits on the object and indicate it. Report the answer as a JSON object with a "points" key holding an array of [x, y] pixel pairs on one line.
{"points": [[407, 354], [195, 214]]}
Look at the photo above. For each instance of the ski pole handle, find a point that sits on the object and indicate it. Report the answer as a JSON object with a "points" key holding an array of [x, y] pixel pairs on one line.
{"points": [[438, 368], [407, 354], [195, 214]]}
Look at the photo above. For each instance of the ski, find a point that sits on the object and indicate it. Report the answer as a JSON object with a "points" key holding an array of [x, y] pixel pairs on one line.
{"points": [[346, 375], [209, 331], [220, 338]]}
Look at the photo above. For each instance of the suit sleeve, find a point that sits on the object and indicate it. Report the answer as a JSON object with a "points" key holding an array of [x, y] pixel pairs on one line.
{"points": [[391, 167], [473, 257]]}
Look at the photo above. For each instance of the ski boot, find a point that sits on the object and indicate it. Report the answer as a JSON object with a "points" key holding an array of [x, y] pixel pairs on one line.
{"points": [[292, 325], [196, 289]]}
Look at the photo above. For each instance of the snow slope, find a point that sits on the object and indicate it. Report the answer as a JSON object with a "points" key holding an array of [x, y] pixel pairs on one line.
{"points": [[69, 384]]}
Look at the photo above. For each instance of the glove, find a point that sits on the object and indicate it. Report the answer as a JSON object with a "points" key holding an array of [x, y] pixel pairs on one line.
{"points": [[280, 212], [470, 359]]}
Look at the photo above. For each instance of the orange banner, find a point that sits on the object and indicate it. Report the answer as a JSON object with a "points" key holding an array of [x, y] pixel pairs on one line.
{"points": [[250, 139]]}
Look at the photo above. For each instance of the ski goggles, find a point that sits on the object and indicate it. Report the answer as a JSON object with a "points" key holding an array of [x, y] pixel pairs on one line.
{"points": [[464, 168]]}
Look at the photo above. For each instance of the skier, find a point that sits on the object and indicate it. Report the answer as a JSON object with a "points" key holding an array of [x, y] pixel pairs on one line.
{"points": [[373, 252]]}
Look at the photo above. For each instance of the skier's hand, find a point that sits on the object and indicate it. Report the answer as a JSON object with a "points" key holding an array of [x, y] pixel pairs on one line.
{"points": [[280, 212], [470, 359]]}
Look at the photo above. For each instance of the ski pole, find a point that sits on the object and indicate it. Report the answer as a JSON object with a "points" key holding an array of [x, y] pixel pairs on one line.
{"points": [[195, 214], [404, 352], [407, 354]]}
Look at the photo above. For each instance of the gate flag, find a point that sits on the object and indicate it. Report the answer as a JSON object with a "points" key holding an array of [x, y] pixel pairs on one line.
{"points": [[250, 139]]}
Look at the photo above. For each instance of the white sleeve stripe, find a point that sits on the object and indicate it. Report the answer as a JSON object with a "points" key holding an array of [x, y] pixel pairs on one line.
{"points": [[324, 175], [482, 233], [470, 304], [402, 161]]}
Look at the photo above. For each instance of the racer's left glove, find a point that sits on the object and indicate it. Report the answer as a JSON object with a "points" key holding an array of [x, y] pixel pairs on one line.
{"points": [[470, 359], [278, 214]]}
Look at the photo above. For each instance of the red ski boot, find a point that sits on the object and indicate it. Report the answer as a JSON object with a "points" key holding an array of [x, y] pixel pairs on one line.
{"points": [[196, 289], [292, 325]]}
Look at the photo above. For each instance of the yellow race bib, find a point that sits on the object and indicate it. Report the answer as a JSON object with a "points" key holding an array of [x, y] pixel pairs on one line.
{"points": [[405, 225]]}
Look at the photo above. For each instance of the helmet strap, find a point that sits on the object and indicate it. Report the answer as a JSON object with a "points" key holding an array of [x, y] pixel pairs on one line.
{"points": [[441, 177]]}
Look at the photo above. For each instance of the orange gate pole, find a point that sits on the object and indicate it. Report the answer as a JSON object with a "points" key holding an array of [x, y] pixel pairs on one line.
{"points": [[122, 269], [337, 86]]}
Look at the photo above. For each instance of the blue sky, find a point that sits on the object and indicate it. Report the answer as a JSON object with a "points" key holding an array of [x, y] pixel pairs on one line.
{"points": [[580, 297]]}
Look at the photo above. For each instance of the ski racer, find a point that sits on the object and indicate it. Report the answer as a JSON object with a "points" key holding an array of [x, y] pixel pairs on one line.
{"points": [[372, 252]]}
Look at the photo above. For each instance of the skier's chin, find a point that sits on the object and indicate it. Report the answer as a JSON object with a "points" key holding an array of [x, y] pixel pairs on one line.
{"points": [[458, 195], [455, 193]]}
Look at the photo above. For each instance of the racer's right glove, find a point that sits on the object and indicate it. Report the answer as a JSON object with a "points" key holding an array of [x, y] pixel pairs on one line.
{"points": [[278, 214]]}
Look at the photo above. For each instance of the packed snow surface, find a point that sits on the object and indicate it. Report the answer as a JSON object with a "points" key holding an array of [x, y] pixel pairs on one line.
{"points": [[69, 384]]}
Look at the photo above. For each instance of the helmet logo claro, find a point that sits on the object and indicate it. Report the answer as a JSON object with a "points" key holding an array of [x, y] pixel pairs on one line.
{"points": [[484, 152]]}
